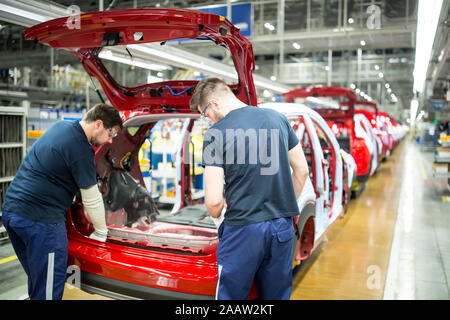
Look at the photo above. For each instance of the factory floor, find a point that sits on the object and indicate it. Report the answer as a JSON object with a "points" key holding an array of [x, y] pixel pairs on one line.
{"points": [[392, 244]]}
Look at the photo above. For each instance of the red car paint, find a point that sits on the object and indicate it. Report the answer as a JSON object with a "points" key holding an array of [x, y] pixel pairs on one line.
{"points": [[379, 129], [154, 271], [386, 122]]}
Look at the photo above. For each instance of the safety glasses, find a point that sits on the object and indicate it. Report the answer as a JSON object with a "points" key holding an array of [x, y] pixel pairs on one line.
{"points": [[202, 114], [112, 133]]}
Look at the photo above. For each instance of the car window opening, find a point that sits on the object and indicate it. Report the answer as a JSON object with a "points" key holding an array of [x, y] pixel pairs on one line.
{"points": [[148, 216]]}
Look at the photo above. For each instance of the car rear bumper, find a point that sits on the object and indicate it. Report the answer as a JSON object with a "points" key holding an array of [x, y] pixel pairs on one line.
{"points": [[121, 271], [122, 290]]}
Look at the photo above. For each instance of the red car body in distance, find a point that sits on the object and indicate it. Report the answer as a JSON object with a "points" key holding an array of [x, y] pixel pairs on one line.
{"points": [[143, 269], [372, 114], [388, 123], [340, 120]]}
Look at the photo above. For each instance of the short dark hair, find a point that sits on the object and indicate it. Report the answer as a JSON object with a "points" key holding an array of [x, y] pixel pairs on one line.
{"points": [[204, 89], [108, 114]]}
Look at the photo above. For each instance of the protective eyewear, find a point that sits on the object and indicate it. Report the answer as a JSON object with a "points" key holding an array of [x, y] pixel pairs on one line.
{"points": [[112, 133], [202, 114]]}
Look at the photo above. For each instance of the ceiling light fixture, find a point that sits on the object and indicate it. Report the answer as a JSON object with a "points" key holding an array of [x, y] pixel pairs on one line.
{"points": [[427, 20], [109, 55], [269, 26]]}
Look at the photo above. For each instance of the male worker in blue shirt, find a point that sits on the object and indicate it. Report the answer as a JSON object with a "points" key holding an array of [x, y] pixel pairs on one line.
{"points": [[59, 163], [251, 150]]}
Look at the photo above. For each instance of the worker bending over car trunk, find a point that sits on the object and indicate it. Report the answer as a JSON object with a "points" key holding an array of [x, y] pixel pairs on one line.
{"points": [[58, 164], [251, 150]]}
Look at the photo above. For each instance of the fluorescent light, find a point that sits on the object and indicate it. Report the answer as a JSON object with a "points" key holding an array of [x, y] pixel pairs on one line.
{"points": [[269, 26], [377, 67], [381, 75], [23, 13], [427, 20], [351, 20], [267, 93], [325, 102], [362, 42], [387, 86], [109, 55], [152, 79], [265, 84], [199, 64], [296, 45]]}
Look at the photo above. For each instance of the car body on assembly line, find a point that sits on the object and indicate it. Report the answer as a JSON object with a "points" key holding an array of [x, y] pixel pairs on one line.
{"points": [[148, 254], [336, 106], [331, 169], [384, 140]]}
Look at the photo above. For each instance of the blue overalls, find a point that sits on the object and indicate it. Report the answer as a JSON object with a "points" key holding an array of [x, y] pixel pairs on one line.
{"points": [[260, 252], [42, 250], [256, 237]]}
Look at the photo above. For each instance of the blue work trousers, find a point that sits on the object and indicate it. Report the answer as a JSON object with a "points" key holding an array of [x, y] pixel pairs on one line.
{"points": [[260, 252], [42, 250]]}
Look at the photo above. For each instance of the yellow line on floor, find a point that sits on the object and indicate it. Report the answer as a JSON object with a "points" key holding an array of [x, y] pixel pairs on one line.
{"points": [[422, 169], [8, 259]]}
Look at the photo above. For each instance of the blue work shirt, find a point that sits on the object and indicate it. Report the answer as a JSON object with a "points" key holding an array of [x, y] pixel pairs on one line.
{"points": [[57, 165], [251, 145]]}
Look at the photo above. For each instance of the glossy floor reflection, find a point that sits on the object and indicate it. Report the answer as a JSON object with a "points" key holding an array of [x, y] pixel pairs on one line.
{"points": [[356, 261]]}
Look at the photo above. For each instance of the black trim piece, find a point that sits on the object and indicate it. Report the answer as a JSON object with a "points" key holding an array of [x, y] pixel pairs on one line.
{"points": [[362, 178]]}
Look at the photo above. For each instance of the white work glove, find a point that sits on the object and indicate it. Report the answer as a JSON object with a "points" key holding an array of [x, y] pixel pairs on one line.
{"points": [[98, 236], [218, 221], [93, 203]]}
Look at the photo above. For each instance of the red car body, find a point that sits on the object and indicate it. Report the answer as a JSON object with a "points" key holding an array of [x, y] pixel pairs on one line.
{"points": [[372, 114], [341, 121], [140, 268], [387, 123]]}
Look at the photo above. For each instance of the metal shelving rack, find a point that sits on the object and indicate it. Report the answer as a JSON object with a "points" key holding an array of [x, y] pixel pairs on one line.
{"points": [[437, 159], [13, 147]]}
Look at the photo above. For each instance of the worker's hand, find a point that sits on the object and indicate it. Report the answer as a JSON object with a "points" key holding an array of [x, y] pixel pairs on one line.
{"points": [[218, 221], [98, 236]]}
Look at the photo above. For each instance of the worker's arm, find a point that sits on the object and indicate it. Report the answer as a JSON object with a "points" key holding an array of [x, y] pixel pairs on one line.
{"points": [[213, 179], [93, 202], [299, 167]]}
